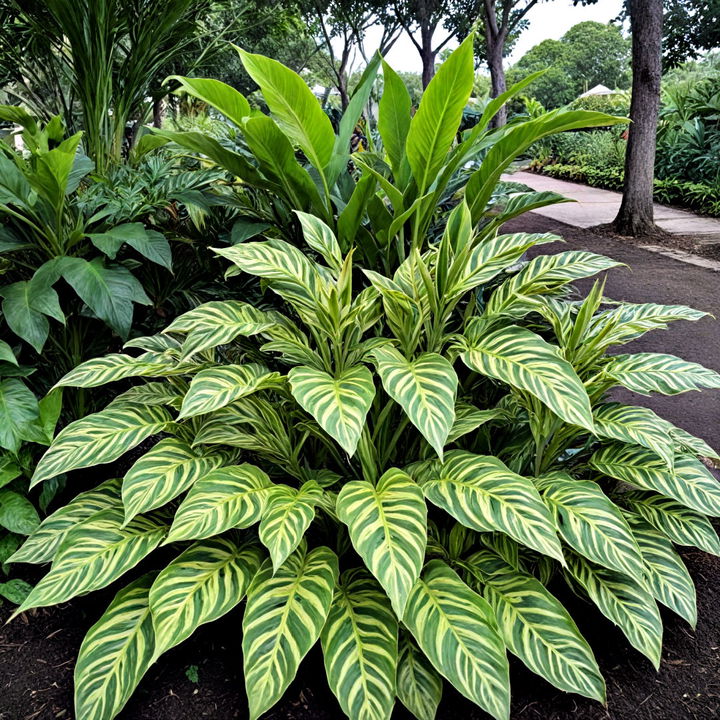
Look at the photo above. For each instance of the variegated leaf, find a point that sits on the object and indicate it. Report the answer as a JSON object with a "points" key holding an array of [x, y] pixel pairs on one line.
{"points": [[457, 631], [419, 687], [115, 654], [217, 323], [425, 388], [227, 497], [480, 492], [360, 647], [469, 418], [208, 580], [287, 516], [668, 577], [624, 602], [689, 482], [639, 425], [42, 545], [321, 239], [538, 629], [116, 366], [100, 438], [525, 361], [590, 523], [163, 473], [681, 524], [338, 404], [93, 554], [219, 386], [284, 616], [153, 393], [646, 373]]}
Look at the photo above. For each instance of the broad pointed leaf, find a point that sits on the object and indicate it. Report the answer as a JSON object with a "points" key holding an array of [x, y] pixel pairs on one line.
{"points": [[419, 687]]}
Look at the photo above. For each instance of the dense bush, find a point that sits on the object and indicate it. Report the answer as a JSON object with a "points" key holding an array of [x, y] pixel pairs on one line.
{"points": [[395, 454]]}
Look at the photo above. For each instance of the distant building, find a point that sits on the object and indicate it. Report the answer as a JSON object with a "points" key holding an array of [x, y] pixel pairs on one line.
{"points": [[599, 90]]}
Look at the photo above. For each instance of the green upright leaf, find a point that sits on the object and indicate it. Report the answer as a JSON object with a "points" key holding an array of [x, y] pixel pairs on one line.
{"points": [[394, 116], [18, 411], [26, 307], [17, 513], [360, 647], [338, 404], [219, 386], [100, 438], [433, 128], [149, 243], [283, 618], [590, 523], [625, 603], [689, 482], [163, 473], [388, 528], [115, 654], [669, 579], [425, 388], [646, 373], [681, 524], [538, 629], [480, 492], [293, 105], [206, 581], [524, 360], [419, 687], [94, 554], [42, 545], [458, 632], [227, 497], [288, 515], [223, 97]]}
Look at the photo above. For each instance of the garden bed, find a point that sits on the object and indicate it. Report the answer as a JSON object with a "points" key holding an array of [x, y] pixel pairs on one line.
{"points": [[202, 678]]}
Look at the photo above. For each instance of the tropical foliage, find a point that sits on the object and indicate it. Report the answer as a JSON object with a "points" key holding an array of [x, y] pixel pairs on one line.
{"points": [[394, 452]]}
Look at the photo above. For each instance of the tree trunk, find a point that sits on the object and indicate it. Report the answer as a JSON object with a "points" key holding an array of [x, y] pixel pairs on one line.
{"points": [[635, 216], [495, 47], [427, 55], [343, 90], [157, 112]]}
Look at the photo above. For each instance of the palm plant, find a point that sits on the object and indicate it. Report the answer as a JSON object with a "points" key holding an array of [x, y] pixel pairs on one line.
{"points": [[397, 458]]}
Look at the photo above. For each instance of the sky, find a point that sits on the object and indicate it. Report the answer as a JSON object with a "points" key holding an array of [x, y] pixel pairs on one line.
{"points": [[547, 20]]}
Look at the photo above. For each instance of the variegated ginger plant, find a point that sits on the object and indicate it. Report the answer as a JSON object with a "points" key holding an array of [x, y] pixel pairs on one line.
{"points": [[397, 460]]}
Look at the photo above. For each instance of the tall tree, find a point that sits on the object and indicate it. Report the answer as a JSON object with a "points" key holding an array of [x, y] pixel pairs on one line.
{"points": [[635, 216], [690, 27]]}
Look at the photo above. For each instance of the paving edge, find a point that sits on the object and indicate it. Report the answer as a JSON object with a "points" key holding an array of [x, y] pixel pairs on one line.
{"points": [[683, 256]]}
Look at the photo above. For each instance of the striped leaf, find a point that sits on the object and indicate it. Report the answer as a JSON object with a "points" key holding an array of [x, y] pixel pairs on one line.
{"points": [[153, 393], [288, 515], [115, 654], [360, 648], [219, 386], [469, 418], [388, 529], [483, 494], [637, 425], [525, 361], [695, 445], [321, 239], [681, 524], [100, 438], [217, 323], [42, 545], [163, 473], [289, 272], [647, 373], [110, 368], [624, 602], [590, 523], [206, 581], [283, 618], [668, 577], [227, 497], [425, 388], [93, 554], [457, 631], [689, 482], [542, 275], [419, 687], [536, 627], [338, 404]]}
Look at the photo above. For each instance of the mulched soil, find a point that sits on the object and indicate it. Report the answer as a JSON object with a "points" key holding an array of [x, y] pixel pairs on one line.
{"points": [[202, 678]]}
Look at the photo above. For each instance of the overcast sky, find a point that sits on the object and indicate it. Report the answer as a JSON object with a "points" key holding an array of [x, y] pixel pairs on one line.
{"points": [[547, 20]]}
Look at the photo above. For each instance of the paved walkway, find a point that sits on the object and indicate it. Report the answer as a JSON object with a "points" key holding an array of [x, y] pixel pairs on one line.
{"points": [[595, 206]]}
